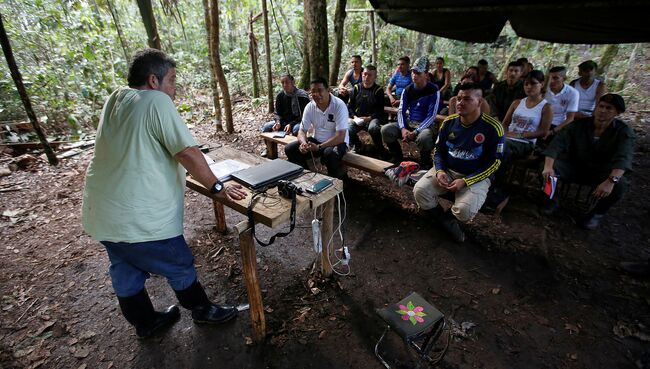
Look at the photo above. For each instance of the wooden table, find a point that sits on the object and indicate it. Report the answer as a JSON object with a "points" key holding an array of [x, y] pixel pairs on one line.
{"points": [[272, 214]]}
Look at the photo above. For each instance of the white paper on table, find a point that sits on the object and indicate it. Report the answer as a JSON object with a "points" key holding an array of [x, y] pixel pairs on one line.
{"points": [[225, 168]]}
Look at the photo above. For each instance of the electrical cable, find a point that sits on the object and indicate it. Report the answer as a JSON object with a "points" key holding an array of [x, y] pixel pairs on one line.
{"points": [[330, 242]]}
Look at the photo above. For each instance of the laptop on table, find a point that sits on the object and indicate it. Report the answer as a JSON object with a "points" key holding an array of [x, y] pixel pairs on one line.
{"points": [[267, 174]]}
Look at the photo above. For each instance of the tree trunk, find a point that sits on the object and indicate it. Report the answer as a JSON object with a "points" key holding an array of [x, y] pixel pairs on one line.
{"points": [[513, 52], [118, 28], [630, 67], [419, 45], [18, 81], [339, 21], [213, 74], [267, 47], [221, 77], [316, 27], [608, 56], [305, 71], [149, 20], [252, 50], [551, 59], [291, 31], [373, 34]]}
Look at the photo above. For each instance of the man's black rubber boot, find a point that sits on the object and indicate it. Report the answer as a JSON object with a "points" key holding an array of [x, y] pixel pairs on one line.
{"points": [[203, 311], [213, 314], [395, 150], [139, 311], [448, 222]]}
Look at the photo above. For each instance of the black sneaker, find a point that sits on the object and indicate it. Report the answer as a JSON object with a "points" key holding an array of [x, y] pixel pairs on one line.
{"points": [[163, 319], [213, 314]]}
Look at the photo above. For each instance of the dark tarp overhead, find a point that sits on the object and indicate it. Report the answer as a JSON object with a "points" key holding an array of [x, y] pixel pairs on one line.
{"points": [[570, 21]]}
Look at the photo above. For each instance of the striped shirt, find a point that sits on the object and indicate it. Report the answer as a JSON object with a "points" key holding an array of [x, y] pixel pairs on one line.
{"points": [[475, 150], [421, 105]]}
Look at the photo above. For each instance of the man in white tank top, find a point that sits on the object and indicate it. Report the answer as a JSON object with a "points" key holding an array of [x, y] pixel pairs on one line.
{"points": [[589, 88]]}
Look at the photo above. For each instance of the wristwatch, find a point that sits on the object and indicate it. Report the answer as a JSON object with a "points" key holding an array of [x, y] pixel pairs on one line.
{"points": [[216, 187], [614, 179]]}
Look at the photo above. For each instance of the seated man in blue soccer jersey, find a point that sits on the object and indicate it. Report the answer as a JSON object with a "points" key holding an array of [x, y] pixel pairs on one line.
{"points": [[468, 151], [416, 115]]}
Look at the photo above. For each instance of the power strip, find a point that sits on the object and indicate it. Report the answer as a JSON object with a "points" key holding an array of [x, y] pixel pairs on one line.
{"points": [[315, 231], [346, 256]]}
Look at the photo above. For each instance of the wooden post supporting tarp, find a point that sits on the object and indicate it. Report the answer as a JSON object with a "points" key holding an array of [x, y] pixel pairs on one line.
{"points": [[249, 265]]}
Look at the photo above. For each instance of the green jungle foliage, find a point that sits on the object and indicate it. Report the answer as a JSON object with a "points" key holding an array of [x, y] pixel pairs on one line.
{"points": [[71, 57]]}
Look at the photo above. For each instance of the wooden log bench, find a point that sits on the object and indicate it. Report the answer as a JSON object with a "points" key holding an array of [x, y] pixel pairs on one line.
{"points": [[391, 112], [525, 175], [353, 160]]}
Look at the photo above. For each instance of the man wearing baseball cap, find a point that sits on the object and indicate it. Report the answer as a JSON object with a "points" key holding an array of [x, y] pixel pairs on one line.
{"points": [[596, 151], [415, 117]]}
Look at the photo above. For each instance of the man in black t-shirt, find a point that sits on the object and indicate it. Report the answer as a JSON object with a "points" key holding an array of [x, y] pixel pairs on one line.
{"points": [[366, 109]]}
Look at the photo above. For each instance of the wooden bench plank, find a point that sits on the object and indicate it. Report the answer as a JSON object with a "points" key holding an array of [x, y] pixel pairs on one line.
{"points": [[350, 159]]}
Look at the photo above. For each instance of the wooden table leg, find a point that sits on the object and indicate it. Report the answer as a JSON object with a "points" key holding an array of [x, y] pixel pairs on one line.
{"points": [[249, 264], [219, 216], [326, 235], [271, 149]]}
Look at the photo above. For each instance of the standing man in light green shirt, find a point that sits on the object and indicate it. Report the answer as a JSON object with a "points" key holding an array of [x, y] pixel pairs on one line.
{"points": [[133, 196]]}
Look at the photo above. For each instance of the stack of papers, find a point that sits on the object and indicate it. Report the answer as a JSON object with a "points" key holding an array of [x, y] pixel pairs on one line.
{"points": [[224, 169]]}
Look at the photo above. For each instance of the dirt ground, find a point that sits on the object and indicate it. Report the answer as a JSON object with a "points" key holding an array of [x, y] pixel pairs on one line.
{"points": [[525, 291]]}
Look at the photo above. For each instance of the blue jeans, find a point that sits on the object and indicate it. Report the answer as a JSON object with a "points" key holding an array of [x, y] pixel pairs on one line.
{"points": [[268, 127], [133, 263]]}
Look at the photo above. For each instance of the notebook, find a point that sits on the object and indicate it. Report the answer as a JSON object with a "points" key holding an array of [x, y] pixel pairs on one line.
{"points": [[267, 174]]}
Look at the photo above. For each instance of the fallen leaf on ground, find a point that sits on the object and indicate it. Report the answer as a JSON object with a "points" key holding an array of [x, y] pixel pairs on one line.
{"points": [[573, 329], [573, 356], [23, 352], [623, 330], [81, 352], [86, 335], [44, 327]]}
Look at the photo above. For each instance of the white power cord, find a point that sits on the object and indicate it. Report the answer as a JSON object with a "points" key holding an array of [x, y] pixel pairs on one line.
{"points": [[345, 260]]}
